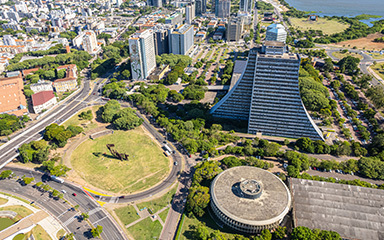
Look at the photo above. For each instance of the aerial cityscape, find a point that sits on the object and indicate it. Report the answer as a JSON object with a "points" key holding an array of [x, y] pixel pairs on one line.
{"points": [[192, 120]]}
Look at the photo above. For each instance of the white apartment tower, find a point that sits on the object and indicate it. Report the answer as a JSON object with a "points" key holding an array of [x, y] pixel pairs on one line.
{"points": [[181, 40], [142, 52], [246, 5], [90, 42], [189, 13]]}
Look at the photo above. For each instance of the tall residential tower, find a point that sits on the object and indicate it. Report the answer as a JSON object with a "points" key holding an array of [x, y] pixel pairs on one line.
{"points": [[142, 51], [268, 97]]}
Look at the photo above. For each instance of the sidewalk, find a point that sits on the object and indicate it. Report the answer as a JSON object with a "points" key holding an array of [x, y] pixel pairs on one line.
{"points": [[25, 225]]}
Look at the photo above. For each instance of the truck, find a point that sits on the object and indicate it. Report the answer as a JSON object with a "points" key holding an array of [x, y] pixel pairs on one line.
{"points": [[167, 153], [167, 148], [57, 179]]}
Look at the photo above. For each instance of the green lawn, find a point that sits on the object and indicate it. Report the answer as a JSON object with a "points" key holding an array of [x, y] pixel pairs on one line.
{"points": [[87, 125], [379, 69], [3, 201], [376, 55], [127, 214], [158, 203], [163, 215], [21, 211], [341, 55], [146, 166], [146, 230], [40, 234], [327, 26]]}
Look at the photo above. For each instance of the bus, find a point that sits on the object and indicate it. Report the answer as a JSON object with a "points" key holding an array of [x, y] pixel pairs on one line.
{"points": [[57, 179]]}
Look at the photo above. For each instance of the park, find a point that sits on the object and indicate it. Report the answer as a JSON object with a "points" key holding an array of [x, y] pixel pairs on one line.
{"points": [[145, 167]]}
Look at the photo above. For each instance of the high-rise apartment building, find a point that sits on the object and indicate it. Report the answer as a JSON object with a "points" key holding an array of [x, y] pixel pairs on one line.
{"points": [[161, 38], [268, 97], [90, 42], [189, 13], [234, 29], [174, 20], [200, 7], [222, 8], [181, 40], [142, 52], [155, 3], [246, 5], [276, 32]]}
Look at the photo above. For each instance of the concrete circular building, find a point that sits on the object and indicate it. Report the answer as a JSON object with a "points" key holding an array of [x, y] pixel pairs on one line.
{"points": [[249, 199]]}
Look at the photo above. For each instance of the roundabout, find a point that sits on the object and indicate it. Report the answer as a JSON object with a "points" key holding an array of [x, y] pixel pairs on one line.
{"points": [[97, 166]]}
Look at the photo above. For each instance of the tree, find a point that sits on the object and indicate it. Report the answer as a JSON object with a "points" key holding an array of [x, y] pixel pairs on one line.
{"points": [[125, 74], [28, 92], [86, 115], [266, 234], [279, 233], [328, 65], [61, 73], [126, 119], [349, 64], [197, 200], [301, 233], [28, 180], [109, 110], [376, 95], [84, 216], [96, 232], [194, 92], [5, 174], [50, 75]]}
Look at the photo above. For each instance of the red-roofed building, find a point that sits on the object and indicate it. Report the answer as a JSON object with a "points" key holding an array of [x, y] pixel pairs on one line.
{"points": [[68, 83], [43, 100]]}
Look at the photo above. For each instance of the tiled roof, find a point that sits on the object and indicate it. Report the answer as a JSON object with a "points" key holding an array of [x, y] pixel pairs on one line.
{"points": [[42, 97]]}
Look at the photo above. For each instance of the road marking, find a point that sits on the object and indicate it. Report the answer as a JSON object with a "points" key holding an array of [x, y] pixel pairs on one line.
{"points": [[95, 192], [62, 214], [94, 210], [99, 220], [70, 220]]}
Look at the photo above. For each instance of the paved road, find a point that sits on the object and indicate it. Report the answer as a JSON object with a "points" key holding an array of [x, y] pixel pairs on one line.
{"points": [[61, 210]]}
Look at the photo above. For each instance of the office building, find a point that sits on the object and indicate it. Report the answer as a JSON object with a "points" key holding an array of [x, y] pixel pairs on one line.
{"points": [[276, 32], [161, 38], [155, 3], [246, 5], [234, 30], [222, 8], [189, 13], [181, 40], [12, 99], [200, 7], [175, 19], [249, 199], [268, 97], [142, 52]]}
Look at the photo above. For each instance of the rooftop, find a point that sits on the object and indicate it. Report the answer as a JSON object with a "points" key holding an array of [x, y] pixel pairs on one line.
{"points": [[272, 204], [354, 212], [42, 97]]}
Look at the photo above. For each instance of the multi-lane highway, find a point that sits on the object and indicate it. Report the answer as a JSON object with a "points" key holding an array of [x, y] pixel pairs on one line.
{"points": [[61, 210]]}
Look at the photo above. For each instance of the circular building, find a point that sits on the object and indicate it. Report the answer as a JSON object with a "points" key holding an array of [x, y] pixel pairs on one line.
{"points": [[249, 199]]}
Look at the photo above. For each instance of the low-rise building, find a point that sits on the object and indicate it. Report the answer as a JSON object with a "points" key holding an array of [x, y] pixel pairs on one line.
{"points": [[68, 83], [159, 73], [43, 101], [41, 86], [12, 99]]}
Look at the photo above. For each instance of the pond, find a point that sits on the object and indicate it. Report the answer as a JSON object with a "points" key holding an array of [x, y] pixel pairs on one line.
{"points": [[5, 222]]}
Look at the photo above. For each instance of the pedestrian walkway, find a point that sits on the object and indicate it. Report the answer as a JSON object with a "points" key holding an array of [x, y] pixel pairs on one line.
{"points": [[25, 225], [375, 74]]}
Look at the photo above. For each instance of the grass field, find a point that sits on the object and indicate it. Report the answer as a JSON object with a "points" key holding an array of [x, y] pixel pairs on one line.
{"points": [[158, 203], [340, 55], [21, 211], [3, 201], [60, 233], [163, 215], [127, 214], [379, 69], [40, 234], [146, 230], [189, 223], [327, 26], [376, 55], [146, 166], [87, 125]]}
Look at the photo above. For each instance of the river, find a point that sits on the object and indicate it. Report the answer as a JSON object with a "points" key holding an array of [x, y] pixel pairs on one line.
{"points": [[348, 8]]}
